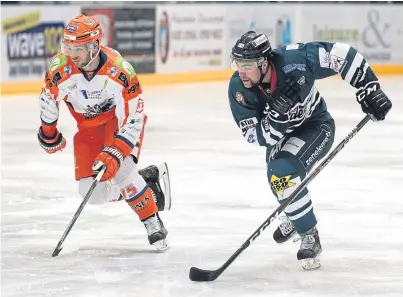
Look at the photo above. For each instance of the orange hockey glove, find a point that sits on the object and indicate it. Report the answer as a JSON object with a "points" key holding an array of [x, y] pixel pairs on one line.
{"points": [[53, 143], [112, 158]]}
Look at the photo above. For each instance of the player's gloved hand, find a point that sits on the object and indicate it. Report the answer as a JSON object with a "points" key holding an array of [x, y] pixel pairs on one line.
{"points": [[51, 144], [112, 158], [374, 101], [287, 94]]}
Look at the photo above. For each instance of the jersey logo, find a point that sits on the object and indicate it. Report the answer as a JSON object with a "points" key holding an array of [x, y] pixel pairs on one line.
{"points": [[279, 185], [291, 67], [56, 78], [97, 109], [240, 98], [113, 71], [123, 78], [293, 46], [67, 70], [57, 62], [327, 60]]}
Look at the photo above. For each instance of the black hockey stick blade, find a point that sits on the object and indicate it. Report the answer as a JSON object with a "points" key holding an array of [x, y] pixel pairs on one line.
{"points": [[57, 251], [201, 275]]}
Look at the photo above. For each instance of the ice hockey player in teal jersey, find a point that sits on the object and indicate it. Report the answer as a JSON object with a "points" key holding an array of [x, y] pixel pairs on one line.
{"points": [[275, 103]]}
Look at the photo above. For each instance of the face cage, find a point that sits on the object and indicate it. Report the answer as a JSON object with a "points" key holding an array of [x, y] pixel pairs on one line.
{"points": [[246, 64]]}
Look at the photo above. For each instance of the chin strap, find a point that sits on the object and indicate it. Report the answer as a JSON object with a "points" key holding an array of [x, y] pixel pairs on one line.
{"points": [[261, 77], [91, 58]]}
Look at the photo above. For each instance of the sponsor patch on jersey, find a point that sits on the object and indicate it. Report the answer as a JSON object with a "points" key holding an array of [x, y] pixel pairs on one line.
{"points": [[56, 78], [240, 98], [291, 67], [140, 205], [301, 81], [246, 124], [140, 106], [315, 150], [293, 46], [123, 78], [134, 88], [280, 184], [293, 145], [92, 95]]}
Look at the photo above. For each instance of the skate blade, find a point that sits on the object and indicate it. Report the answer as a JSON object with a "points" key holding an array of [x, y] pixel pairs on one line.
{"points": [[164, 176], [161, 245], [310, 264]]}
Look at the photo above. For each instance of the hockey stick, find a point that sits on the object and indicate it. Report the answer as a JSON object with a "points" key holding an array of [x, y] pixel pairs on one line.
{"points": [[201, 275], [78, 212]]}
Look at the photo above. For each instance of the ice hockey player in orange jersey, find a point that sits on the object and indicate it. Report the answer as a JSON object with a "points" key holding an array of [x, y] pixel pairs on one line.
{"points": [[103, 94]]}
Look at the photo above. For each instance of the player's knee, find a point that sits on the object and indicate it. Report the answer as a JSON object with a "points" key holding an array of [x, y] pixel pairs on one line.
{"points": [[284, 176], [104, 192]]}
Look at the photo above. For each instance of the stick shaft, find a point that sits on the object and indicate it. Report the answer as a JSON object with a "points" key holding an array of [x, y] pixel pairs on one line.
{"points": [[78, 212]]}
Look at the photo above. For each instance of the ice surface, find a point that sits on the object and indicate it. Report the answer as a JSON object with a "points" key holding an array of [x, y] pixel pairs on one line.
{"points": [[220, 196]]}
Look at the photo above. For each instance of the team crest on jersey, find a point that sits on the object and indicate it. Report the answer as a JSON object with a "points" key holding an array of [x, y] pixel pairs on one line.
{"points": [[113, 71], [67, 70], [97, 109], [328, 60], [279, 185], [240, 98]]}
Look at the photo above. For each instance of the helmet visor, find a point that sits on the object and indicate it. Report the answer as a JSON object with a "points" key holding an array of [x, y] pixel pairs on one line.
{"points": [[246, 64], [76, 49], [71, 46]]}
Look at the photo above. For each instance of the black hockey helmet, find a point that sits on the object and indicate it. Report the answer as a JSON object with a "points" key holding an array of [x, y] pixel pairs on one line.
{"points": [[251, 46]]}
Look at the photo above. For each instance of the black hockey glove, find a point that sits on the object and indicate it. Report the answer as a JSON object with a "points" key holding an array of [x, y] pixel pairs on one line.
{"points": [[373, 101], [287, 94]]}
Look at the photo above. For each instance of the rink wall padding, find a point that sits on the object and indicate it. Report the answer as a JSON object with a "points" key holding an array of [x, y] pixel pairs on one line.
{"points": [[10, 88], [192, 42]]}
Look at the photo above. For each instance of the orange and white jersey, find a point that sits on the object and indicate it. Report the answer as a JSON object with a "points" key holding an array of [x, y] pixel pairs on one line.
{"points": [[112, 91]]}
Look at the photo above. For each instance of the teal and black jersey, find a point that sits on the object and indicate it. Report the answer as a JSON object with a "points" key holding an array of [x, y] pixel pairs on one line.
{"points": [[307, 62]]}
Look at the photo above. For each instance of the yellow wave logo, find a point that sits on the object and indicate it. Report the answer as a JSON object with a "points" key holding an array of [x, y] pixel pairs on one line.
{"points": [[21, 22]]}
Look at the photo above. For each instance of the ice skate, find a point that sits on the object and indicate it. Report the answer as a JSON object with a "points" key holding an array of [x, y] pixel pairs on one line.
{"points": [[284, 231], [153, 175], [157, 234], [310, 249]]}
